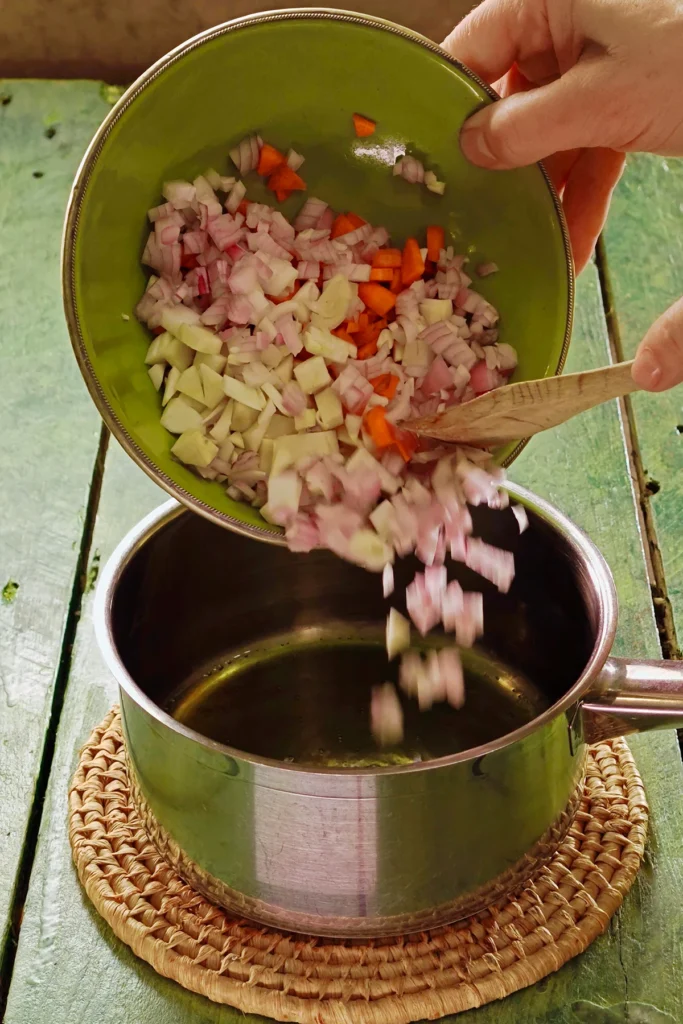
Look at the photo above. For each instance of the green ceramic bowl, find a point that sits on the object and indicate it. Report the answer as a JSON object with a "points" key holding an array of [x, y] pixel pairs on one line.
{"points": [[297, 77]]}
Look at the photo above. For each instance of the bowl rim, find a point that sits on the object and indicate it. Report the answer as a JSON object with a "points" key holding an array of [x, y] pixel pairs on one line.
{"points": [[80, 186]]}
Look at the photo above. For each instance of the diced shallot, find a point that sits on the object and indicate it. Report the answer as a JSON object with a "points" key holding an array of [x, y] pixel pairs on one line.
{"points": [[305, 389], [410, 168], [386, 715], [245, 156]]}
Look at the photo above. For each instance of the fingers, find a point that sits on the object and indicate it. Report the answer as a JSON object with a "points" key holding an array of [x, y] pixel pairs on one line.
{"points": [[526, 127], [559, 167], [591, 181], [659, 360], [487, 39]]}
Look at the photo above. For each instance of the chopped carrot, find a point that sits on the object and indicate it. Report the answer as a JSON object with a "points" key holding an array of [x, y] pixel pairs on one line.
{"points": [[339, 332], [413, 266], [350, 326], [284, 179], [406, 442], [385, 384], [357, 221], [341, 226], [387, 258], [363, 126], [269, 160], [436, 241], [288, 296], [363, 321], [281, 194], [382, 274], [377, 426], [368, 350], [396, 283], [370, 333], [380, 300]]}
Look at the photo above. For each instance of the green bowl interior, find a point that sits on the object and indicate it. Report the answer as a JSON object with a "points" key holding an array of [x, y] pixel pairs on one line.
{"points": [[297, 82]]}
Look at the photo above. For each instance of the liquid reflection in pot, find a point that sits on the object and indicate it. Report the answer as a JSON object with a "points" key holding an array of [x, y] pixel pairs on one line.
{"points": [[304, 698]]}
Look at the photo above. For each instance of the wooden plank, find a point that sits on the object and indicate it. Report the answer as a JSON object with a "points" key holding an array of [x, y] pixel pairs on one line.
{"points": [[582, 469], [49, 433], [117, 43], [644, 246]]}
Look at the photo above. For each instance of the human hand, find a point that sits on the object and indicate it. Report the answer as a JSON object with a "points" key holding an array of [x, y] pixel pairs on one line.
{"points": [[583, 81], [584, 178]]}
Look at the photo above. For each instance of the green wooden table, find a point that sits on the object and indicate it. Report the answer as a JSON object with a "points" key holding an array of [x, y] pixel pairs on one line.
{"points": [[67, 497]]}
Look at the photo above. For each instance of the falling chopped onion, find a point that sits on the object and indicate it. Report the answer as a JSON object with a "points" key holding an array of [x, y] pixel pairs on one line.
{"points": [[386, 715], [268, 396]]}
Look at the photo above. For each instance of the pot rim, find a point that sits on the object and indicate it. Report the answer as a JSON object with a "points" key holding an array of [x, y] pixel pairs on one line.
{"points": [[80, 186], [597, 572]]}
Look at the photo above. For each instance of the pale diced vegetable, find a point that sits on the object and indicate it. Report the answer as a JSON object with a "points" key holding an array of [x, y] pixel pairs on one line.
{"points": [[195, 448], [398, 634], [312, 375], [199, 338], [305, 420], [330, 309], [222, 428], [243, 416], [291, 450], [171, 387], [212, 384], [179, 416], [167, 349], [252, 397], [434, 310], [330, 411], [320, 342], [216, 362], [190, 384], [175, 317], [156, 375]]}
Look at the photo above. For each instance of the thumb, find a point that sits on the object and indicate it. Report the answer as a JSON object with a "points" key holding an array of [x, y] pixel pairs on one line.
{"points": [[566, 114], [658, 364]]}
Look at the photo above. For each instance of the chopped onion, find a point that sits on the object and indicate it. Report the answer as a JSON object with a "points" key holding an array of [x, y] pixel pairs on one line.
{"points": [[386, 715], [267, 395]]}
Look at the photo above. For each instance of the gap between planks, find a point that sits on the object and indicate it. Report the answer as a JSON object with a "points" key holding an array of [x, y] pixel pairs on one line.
{"points": [[80, 585], [653, 557]]}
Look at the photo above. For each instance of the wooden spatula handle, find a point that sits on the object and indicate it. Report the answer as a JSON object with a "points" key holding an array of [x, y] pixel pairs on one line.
{"points": [[519, 410]]}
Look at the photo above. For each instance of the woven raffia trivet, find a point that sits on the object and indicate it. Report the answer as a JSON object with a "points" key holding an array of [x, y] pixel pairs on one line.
{"points": [[391, 981]]}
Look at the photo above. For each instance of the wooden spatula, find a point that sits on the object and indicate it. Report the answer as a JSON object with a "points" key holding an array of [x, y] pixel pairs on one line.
{"points": [[516, 411]]}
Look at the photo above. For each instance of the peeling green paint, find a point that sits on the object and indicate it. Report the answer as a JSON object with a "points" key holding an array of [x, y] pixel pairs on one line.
{"points": [[93, 572], [112, 93], [9, 591]]}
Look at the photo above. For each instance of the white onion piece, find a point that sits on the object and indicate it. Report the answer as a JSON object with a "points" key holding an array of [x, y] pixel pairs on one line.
{"points": [[386, 715], [411, 169]]}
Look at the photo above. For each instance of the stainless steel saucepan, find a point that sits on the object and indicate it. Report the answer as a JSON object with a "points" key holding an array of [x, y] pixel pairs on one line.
{"points": [[245, 674]]}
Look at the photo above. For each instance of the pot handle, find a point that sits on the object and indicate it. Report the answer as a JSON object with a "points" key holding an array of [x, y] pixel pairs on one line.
{"points": [[633, 696]]}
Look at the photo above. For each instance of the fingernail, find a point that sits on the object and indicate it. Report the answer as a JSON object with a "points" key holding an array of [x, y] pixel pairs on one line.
{"points": [[475, 147], [647, 373]]}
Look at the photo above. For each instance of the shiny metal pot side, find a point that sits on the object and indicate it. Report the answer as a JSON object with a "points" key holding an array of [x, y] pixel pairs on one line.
{"points": [[374, 851]]}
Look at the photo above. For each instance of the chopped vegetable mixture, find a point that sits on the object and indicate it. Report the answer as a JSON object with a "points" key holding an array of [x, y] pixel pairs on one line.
{"points": [[289, 357]]}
